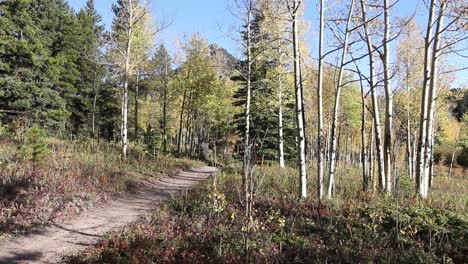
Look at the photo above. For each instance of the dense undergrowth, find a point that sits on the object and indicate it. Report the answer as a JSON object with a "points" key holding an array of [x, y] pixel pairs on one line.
{"points": [[207, 225], [45, 179]]}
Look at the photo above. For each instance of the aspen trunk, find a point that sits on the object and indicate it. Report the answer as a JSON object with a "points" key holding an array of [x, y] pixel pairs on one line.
{"points": [[188, 124], [331, 176], [165, 115], [409, 151], [93, 117], [136, 103], [388, 102], [344, 153], [181, 120], [299, 103], [451, 164], [123, 129], [327, 147], [304, 123], [280, 123], [338, 146], [371, 157], [127, 72], [93, 113], [431, 158], [424, 105], [320, 138], [415, 154], [365, 179], [375, 107], [428, 155], [246, 174], [452, 159], [192, 135], [396, 175]]}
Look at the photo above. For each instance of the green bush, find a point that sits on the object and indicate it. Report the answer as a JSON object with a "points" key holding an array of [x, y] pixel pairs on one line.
{"points": [[152, 142], [35, 147]]}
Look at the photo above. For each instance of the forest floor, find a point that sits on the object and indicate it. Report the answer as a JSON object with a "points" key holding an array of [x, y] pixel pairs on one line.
{"points": [[208, 224], [47, 245]]}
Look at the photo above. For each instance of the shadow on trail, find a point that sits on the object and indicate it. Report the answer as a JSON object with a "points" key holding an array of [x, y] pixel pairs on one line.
{"points": [[47, 245], [21, 257], [75, 231]]}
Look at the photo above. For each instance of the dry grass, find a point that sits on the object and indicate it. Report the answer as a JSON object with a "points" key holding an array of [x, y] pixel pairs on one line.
{"points": [[72, 177], [208, 225]]}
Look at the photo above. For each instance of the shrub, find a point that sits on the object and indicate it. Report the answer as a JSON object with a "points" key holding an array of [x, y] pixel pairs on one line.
{"points": [[35, 148], [73, 175]]}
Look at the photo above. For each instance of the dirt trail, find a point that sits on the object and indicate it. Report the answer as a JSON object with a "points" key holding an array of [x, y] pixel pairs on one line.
{"points": [[49, 244]]}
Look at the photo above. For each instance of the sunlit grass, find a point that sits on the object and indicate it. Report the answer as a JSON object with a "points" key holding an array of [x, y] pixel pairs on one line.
{"points": [[73, 176], [207, 225]]}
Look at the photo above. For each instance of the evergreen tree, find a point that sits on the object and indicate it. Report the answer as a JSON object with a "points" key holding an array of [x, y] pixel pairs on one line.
{"points": [[91, 67], [26, 75], [265, 68]]}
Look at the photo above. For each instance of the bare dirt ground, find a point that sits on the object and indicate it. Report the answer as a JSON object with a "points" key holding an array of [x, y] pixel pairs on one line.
{"points": [[47, 245]]}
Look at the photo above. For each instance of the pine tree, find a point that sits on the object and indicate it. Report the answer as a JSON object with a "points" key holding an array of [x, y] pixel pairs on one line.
{"points": [[91, 67], [26, 73], [267, 74]]}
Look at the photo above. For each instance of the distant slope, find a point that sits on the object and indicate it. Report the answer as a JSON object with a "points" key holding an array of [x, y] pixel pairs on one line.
{"points": [[225, 62]]}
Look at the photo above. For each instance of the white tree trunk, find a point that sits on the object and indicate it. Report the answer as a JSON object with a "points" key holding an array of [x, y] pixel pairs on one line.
{"points": [[365, 178], [137, 90], [331, 176], [371, 156], [164, 110], [124, 132], [415, 153], [327, 147], [388, 101], [451, 164], [424, 104], [409, 151], [246, 174], [93, 113], [127, 57], [375, 106], [280, 123], [431, 157], [320, 137], [181, 122], [431, 103], [299, 103]]}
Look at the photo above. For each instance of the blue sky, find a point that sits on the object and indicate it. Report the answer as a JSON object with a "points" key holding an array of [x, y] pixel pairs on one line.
{"points": [[213, 19], [209, 17]]}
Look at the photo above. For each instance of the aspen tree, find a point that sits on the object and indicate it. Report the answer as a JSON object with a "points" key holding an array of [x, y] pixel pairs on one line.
{"points": [[128, 15], [299, 101], [331, 176], [431, 95], [320, 136], [388, 100], [375, 107]]}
